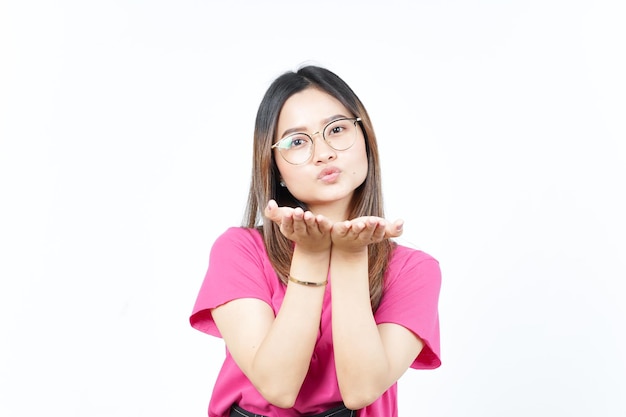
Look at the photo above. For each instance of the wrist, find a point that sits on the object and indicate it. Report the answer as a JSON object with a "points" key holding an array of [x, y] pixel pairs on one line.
{"points": [[349, 253], [313, 254], [309, 265]]}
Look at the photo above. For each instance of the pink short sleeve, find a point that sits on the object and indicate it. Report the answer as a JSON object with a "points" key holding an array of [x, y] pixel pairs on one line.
{"points": [[411, 298], [238, 268]]}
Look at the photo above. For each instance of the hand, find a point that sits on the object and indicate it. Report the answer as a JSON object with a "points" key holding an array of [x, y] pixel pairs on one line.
{"points": [[354, 235], [302, 227]]}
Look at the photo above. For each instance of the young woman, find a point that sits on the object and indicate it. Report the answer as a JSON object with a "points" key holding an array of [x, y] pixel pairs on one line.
{"points": [[320, 310]]}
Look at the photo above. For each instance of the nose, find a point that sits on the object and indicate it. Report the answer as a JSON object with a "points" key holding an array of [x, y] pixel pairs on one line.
{"points": [[322, 152]]}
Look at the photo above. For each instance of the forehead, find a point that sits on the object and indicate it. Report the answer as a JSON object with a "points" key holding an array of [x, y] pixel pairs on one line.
{"points": [[308, 109]]}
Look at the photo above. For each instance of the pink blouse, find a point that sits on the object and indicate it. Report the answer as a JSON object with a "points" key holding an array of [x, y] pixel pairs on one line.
{"points": [[240, 268]]}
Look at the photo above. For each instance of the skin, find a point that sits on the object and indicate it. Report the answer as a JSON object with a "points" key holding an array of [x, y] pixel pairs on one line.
{"points": [[275, 352]]}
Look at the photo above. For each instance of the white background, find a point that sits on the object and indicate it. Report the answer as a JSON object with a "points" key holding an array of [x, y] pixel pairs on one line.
{"points": [[125, 149]]}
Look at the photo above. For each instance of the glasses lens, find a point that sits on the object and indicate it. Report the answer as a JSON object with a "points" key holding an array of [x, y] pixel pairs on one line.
{"points": [[340, 134], [296, 149]]}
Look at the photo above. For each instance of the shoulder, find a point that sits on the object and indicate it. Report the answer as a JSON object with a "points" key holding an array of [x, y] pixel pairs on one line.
{"points": [[406, 257], [237, 247], [243, 234], [239, 238], [412, 267]]}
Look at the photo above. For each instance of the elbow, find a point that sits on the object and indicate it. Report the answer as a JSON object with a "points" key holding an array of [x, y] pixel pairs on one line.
{"points": [[282, 402], [279, 397], [278, 388], [358, 400]]}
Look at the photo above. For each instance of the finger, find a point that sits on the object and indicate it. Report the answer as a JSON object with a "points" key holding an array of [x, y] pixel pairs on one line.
{"points": [[299, 226], [324, 224], [286, 224], [379, 232], [357, 228], [394, 229], [311, 222], [374, 230], [358, 231], [341, 229]]}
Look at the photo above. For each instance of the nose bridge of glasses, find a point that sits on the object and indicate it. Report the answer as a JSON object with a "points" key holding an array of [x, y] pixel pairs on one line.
{"points": [[312, 135], [322, 147]]}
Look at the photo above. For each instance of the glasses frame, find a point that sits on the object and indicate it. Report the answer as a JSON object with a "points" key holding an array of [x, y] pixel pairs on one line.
{"points": [[355, 120]]}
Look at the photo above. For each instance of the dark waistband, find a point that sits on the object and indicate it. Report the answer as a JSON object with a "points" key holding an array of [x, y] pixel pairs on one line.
{"points": [[340, 411]]}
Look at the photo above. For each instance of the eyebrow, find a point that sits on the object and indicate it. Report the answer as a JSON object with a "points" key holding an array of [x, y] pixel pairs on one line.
{"points": [[301, 129]]}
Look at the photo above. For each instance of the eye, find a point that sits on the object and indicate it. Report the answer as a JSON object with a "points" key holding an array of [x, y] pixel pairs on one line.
{"points": [[294, 142], [338, 127]]}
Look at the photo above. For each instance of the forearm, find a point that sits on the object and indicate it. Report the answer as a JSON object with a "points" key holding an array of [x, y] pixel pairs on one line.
{"points": [[361, 361], [283, 358]]}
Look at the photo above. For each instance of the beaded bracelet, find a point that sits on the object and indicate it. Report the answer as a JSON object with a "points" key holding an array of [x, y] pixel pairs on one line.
{"points": [[308, 283]]}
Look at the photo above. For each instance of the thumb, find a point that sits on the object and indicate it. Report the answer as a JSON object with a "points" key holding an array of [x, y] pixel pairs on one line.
{"points": [[271, 210]]}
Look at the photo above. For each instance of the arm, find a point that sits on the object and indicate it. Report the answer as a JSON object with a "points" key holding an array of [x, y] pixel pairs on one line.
{"points": [[369, 358], [275, 352]]}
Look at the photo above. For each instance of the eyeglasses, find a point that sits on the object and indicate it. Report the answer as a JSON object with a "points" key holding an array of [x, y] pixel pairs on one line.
{"points": [[339, 134]]}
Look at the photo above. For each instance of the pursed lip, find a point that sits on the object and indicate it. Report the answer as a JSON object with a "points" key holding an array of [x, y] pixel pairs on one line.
{"points": [[329, 173]]}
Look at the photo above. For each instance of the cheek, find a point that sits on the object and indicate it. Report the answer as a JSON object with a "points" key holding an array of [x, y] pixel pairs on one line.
{"points": [[286, 171], [361, 164], [358, 170], [280, 164]]}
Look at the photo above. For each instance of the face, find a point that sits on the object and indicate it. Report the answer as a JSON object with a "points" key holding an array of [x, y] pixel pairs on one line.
{"points": [[327, 180]]}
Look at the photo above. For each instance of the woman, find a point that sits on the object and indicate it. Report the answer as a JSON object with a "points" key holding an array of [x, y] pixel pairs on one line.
{"points": [[320, 310]]}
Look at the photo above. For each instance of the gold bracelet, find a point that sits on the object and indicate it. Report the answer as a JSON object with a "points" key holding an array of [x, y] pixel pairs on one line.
{"points": [[308, 283]]}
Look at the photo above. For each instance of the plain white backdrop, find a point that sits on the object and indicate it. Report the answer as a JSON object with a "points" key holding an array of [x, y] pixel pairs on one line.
{"points": [[125, 150]]}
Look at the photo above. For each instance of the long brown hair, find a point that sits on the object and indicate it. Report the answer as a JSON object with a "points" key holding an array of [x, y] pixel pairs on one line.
{"points": [[367, 199]]}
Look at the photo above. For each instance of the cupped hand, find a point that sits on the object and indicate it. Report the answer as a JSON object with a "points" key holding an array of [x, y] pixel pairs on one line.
{"points": [[356, 234], [302, 227]]}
